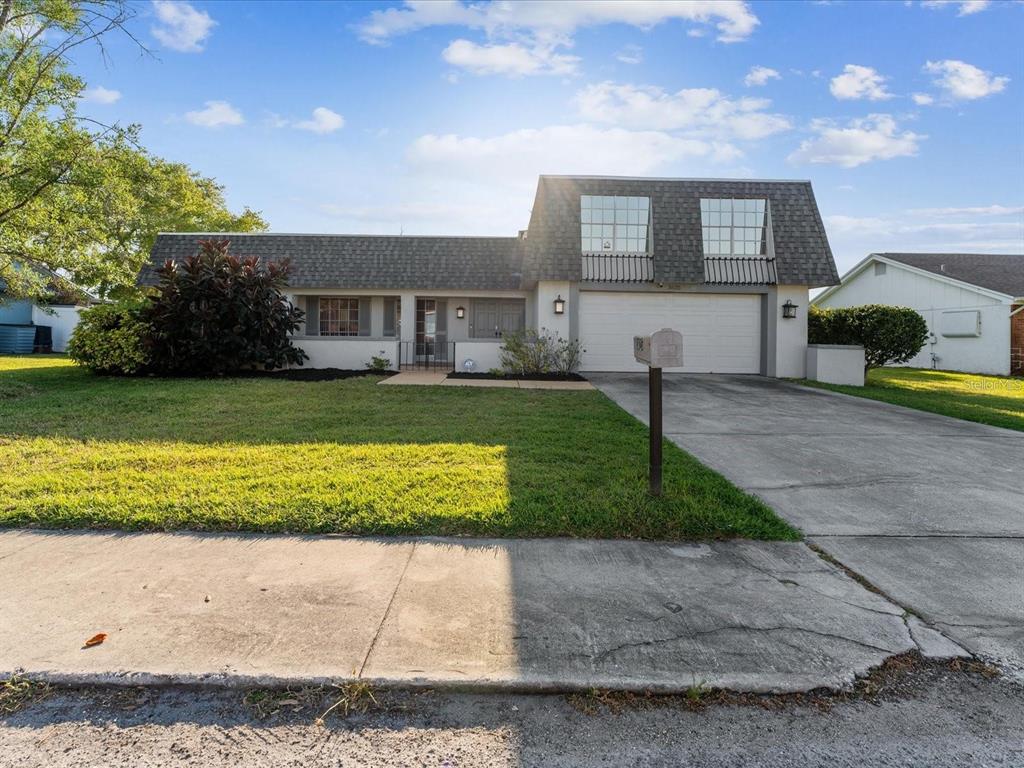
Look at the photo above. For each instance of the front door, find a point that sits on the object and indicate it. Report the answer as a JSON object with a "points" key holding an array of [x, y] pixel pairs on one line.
{"points": [[431, 330]]}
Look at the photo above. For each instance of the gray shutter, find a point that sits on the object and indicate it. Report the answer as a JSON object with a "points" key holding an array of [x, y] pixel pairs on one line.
{"points": [[312, 315], [364, 317], [389, 317]]}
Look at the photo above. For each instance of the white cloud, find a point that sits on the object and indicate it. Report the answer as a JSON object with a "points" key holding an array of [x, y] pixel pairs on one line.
{"points": [[324, 120], [551, 19], [859, 82], [523, 37], [510, 59], [977, 210], [630, 54], [181, 27], [966, 7], [962, 81], [516, 158], [760, 76], [922, 99], [215, 114], [863, 140], [702, 112], [100, 95]]}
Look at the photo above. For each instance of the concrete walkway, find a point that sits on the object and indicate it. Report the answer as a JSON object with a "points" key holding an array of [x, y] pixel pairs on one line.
{"points": [[926, 507], [434, 378], [488, 614]]}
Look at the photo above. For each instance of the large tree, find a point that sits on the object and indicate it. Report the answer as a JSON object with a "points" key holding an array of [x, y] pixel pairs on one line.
{"points": [[80, 199]]}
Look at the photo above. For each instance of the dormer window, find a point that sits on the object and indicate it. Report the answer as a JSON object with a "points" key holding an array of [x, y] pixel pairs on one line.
{"points": [[614, 224], [734, 227]]}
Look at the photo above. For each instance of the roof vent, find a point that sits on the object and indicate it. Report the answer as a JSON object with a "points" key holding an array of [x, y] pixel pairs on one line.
{"points": [[942, 267]]}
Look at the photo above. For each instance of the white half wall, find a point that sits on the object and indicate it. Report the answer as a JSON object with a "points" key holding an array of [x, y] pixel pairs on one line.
{"points": [[836, 364], [350, 354], [486, 354]]}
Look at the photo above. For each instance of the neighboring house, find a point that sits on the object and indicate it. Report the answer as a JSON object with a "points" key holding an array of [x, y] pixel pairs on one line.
{"points": [[18, 317], [972, 303], [603, 259]]}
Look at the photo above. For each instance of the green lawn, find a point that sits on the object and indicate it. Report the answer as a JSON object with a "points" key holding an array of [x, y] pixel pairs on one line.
{"points": [[344, 456], [995, 400]]}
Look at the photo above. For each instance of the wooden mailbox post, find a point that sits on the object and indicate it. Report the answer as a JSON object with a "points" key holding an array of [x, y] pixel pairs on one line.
{"points": [[662, 349]]}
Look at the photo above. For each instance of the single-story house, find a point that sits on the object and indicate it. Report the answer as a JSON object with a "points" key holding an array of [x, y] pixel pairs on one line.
{"points": [[972, 303], [728, 263]]}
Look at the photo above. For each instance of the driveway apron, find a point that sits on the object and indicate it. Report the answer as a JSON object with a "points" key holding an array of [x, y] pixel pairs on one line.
{"points": [[926, 507]]}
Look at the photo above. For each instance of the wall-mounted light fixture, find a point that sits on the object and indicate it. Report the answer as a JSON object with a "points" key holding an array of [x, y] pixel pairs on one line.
{"points": [[559, 305], [789, 310], [460, 312]]}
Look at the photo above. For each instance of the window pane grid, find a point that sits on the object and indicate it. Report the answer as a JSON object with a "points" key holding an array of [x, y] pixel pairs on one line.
{"points": [[339, 317], [733, 227], [614, 224]]}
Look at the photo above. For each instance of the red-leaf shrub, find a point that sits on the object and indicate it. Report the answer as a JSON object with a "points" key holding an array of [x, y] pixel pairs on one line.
{"points": [[216, 313]]}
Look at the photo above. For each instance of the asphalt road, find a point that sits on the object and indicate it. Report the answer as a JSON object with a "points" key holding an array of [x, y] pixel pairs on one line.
{"points": [[934, 716]]}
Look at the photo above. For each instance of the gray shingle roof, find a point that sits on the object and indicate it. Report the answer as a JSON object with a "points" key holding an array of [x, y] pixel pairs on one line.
{"points": [[1003, 272], [802, 252], [366, 261]]}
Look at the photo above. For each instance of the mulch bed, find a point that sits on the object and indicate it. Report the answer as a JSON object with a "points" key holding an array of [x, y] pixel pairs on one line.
{"points": [[310, 374], [519, 376]]}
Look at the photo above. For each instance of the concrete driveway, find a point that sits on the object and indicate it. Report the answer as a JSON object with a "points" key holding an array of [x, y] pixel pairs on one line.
{"points": [[928, 508]]}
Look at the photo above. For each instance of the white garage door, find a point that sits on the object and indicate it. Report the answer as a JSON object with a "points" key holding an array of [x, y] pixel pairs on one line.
{"points": [[721, 332]]}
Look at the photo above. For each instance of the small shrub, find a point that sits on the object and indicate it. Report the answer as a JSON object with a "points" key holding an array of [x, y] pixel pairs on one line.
{"points": [[888, 334], [112, 338], [216, 313], [526, 352], [379, 363]]}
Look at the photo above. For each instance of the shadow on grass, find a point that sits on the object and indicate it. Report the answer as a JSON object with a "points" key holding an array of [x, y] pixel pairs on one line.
{"points": [[348, 456]]}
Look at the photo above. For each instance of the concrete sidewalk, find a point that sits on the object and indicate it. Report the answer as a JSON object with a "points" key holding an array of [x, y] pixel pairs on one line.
{"points": [[486, 614]]}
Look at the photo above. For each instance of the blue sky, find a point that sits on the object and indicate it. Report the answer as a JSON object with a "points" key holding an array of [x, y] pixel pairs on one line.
{"points": [[436, 118]]}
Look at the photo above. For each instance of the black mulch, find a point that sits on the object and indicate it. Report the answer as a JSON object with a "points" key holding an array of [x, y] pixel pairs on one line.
{"points": [[519, 376], [310, 374]]}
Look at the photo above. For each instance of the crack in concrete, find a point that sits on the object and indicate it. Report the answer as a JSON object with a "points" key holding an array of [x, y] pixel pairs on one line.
{"points": [[741, 628], [769, 574], [387, 611]]}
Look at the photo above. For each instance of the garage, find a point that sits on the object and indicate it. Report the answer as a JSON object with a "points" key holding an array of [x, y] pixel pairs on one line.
{"points": [[721, 332]]}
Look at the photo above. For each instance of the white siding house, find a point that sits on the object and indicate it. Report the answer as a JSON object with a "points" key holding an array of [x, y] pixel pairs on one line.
{"points": [[966, 300]]}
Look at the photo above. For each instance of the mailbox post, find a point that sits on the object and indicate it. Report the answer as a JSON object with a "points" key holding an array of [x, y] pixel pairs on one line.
{"points": [[662, 349]]}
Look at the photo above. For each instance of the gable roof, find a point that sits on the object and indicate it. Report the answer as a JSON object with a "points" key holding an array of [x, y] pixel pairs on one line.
{"points": [[1001, 272], [392, 262], [802, 253]]}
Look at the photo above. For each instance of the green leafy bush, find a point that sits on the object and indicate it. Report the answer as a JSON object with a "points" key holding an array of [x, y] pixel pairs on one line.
{"points": [[216, 313], [888, 334], [112, 338], [529, 351], [379, 363]]}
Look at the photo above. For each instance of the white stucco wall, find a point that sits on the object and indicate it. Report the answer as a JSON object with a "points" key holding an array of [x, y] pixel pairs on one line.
{"points": [[350, 354], [546, 293], [790, 342], [987, 353], [836, 364], [62, 321], [486, 354]]}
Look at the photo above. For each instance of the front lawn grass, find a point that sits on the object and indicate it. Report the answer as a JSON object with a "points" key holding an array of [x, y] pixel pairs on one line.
{"points": [[995, 400], [348, 456]]}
